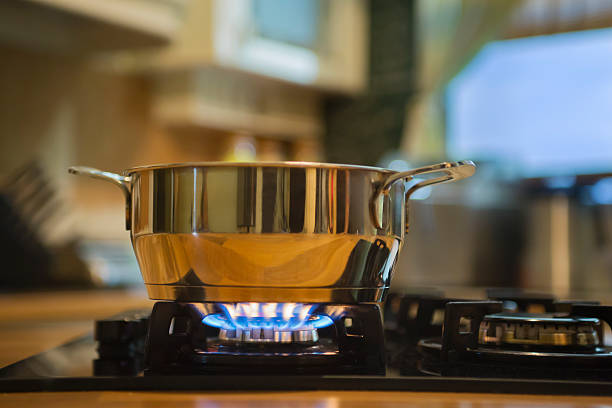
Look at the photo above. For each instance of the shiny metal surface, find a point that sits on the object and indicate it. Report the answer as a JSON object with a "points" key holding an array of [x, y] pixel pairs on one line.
{"points": [[269, 232], [123, 182], [451, 172], [260, 335], [538, 330]]}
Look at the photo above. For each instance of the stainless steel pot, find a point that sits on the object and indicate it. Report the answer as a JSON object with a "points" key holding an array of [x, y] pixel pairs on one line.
{"points": [[269, 232]]}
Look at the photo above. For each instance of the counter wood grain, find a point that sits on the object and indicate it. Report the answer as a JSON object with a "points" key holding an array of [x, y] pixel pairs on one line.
{"points": [[306, 399]]}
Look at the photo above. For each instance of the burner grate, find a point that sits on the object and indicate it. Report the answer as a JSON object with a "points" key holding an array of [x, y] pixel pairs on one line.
{"points": [[264, 338]]}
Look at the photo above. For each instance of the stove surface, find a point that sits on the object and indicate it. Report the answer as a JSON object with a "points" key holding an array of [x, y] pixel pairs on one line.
{"points": [[419, 356]]}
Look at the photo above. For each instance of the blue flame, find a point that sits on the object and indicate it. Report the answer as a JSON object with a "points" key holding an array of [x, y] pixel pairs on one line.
{"points": [[274, 316]]}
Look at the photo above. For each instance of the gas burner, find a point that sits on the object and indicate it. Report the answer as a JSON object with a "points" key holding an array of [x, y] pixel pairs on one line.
{"points": [[267, 323], [260, 338], [414, 316], [479, 339], [259, 335], [551, 330]]}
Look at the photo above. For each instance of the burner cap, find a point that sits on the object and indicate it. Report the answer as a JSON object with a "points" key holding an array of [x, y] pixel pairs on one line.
{"points": [[547, 329]]}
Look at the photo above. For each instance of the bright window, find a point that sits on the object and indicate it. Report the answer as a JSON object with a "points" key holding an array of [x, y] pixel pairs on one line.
{"points": [[543, 104]]}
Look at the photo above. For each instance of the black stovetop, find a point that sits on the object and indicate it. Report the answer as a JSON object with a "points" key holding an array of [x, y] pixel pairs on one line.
{"points": [[419, 355]]}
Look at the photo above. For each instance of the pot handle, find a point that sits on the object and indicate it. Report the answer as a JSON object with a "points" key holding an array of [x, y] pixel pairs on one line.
{"points": [[451, 171], [123, 182]]}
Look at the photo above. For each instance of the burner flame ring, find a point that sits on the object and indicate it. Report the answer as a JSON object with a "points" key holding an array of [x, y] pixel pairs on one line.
{"points": [[268, 322]]}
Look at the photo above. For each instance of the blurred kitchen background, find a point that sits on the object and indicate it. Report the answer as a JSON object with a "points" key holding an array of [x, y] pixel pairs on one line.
{"points": [[524, 88]]}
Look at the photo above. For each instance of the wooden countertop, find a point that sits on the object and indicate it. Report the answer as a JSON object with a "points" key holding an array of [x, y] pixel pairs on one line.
{"points": [[306, 399], [31, 323], [34, 322]]}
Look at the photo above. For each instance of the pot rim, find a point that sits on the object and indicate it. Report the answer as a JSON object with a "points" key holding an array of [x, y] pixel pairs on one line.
{"points": [[289, 164]]}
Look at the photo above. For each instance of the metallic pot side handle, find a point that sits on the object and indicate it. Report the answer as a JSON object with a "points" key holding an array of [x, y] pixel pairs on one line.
{"points": [[123, 182], [451, 171]]}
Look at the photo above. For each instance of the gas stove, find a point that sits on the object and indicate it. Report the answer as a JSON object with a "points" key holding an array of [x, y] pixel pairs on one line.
{"points": [[260, 338], [482, 339], [511, 342]]}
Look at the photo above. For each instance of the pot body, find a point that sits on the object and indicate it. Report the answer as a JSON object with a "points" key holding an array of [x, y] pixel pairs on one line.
{"points": [[264, 233], [269, 232]]}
